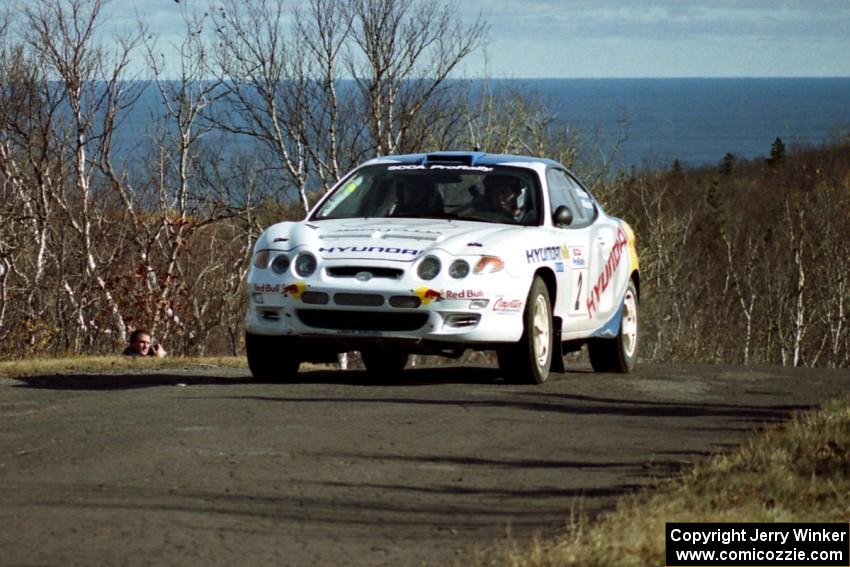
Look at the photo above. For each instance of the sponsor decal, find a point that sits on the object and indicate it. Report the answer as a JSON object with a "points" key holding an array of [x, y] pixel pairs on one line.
{"points": [[294, 289], [463, 294], [266, 288], [462, 167], [369, 250], [440, 167], [577, 257], [575, 254], [544, 254], [507, 305], [383, 231], [608, 270], [427, 295]]}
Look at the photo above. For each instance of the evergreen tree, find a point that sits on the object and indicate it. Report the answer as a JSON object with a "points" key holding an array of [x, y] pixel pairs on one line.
{"points": [[728, 164], [777, 152]]}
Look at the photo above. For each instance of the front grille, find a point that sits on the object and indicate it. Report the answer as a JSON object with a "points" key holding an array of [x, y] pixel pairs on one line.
{"points": [[361, 320], [352, 271], [359, 299], [405, 301], [315, 297]]}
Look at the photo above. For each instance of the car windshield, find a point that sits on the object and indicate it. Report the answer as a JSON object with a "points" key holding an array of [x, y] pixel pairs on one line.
{"points": [[480, 193]]}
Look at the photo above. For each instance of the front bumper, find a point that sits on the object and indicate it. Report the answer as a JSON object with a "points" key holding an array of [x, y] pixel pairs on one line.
{"points": [[477, 309]]}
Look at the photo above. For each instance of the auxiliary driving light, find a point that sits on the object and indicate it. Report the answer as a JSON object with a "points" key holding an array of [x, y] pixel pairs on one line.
{"points": [[305, 264], [428, 268], [280, 264], [459, 269]]}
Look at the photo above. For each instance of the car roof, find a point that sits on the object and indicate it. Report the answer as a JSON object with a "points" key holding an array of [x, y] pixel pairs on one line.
{"points": [[462, 158]]}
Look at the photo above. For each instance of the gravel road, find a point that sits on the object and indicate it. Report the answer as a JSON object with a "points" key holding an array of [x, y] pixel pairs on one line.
{"points": [[205, 466]]}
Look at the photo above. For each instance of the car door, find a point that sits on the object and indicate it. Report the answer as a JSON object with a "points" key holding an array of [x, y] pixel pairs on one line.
{"points": [[573, 271], [608, 262]]}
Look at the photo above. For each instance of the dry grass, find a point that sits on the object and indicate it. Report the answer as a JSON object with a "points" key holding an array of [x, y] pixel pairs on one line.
{"points": [[88, 364], [795, 472]]}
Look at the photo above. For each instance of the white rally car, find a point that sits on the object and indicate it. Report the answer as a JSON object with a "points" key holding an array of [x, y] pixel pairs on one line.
{"points": [[437, 253]]}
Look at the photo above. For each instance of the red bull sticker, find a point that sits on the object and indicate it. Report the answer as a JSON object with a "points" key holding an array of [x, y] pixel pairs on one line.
{"points": [[295, 289], [427, 295], [463, 294]]}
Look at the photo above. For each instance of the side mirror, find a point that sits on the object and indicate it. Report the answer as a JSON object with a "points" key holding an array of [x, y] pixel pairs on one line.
{"points": [[563, 216]]}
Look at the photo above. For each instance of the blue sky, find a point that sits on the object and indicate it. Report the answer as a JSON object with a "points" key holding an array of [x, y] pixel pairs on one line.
{"points": [[622, 38]]}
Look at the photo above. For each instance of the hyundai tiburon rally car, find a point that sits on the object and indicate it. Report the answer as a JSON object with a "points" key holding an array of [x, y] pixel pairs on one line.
{"points": [[442, 252]]}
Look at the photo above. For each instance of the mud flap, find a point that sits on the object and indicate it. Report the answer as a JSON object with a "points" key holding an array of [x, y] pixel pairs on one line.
{"points": [[557, 364]]}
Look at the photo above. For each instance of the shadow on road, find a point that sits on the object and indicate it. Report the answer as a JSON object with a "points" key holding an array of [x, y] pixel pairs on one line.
{"points": [[410, 377], [123, 381], [515, 397], [559, 404]]}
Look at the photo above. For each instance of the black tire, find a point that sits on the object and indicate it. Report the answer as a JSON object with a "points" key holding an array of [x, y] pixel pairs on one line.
{"points": [[619, 354], [383, 363], [529, 360], [272, 359]]}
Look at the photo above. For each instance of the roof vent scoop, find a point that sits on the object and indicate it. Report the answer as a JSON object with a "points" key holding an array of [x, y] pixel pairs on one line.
{"points": [[447, 158]]}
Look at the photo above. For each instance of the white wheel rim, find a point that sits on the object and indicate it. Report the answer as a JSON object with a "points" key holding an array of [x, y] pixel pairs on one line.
{"points": [[629, 325], [541, 331]]}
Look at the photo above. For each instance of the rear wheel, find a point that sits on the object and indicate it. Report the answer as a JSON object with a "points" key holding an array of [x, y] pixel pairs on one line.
{"points": [[620, 353], [383, 363], [272, 359], [529, 360]]}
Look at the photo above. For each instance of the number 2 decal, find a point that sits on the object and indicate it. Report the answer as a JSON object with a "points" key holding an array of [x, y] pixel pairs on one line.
{"points": [[575, 303], [578, 293]]}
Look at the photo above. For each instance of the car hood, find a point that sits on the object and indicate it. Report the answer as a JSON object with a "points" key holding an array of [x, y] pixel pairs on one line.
{"points": [[387, 239]]}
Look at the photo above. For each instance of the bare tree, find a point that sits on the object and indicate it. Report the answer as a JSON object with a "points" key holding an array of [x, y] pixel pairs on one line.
{"points": [[91, 80], [177, 191], [264, 98], [284, 79], [31, 170], [324, 29], [405, 53], [740, 273]]}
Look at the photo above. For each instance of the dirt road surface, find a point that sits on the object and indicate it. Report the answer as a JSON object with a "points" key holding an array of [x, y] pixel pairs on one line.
{"points": [[205, 466]]}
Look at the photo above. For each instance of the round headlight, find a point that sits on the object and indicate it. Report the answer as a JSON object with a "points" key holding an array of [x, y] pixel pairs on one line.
{"points": [[305, 264], [428, 268], [280, 263], [459, 269], [261, 259]]}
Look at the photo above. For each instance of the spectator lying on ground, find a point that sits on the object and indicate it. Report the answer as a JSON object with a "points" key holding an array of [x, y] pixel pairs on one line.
{"points": [[142, 345]]}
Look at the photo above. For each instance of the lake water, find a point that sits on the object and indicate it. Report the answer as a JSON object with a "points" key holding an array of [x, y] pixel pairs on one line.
{"points": [[699, 120], [694, 120]]}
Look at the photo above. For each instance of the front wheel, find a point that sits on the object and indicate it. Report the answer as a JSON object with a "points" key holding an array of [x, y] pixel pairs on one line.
{"points": [[272, 359], [620, 353], [529, 360]]}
